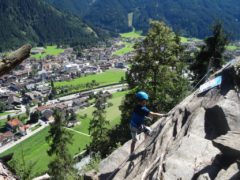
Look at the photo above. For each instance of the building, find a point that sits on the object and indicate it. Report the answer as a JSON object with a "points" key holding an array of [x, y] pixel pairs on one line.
{"points": [[120, 65], [37, 50], [14, 101], [13, 125], [71, 67], [22, 73], [32, 97], [16, 86], [47, 115]]}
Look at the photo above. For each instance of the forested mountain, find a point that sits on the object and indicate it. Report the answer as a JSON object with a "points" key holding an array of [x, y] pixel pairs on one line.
{"points": [[188, 17], [36, 22]]}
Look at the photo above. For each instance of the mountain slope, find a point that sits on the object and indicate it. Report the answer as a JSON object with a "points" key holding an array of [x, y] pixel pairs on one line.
{"points": [[189, 17], [78, 7], [198, 140], [34, 21]]}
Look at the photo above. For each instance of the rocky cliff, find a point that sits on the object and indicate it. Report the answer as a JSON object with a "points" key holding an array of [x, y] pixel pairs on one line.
{"points": [[198, 140]]}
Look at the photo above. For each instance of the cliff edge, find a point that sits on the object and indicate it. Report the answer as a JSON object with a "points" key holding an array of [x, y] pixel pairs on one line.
{"points": [[199, 139]]}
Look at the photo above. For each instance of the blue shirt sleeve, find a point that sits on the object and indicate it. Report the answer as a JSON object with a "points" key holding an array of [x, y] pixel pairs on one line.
{"points": [[145, 111]]}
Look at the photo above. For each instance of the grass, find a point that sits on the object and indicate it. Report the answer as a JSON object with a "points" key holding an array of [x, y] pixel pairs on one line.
{"points": [[184, 39], [2, 124], [133, 34], [105, 78], [232, 47], [50, 50], [127, 49], [113, 113], [4, 113], [35, 150]]}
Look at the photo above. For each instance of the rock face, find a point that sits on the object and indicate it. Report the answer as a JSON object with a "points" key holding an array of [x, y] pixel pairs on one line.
{"points": [[189, 143], [5, 173], [229, 144]]}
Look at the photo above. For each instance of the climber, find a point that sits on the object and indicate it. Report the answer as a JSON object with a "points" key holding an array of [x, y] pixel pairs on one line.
{"points": [[137, 120]]}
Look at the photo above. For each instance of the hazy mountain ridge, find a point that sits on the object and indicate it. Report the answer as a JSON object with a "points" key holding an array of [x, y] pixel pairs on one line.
{"points": [[189, 17]]}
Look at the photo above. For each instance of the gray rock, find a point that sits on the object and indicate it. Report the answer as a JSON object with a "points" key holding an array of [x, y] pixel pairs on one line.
{"points": [[230, 173], [229, 144], [182, 147]]}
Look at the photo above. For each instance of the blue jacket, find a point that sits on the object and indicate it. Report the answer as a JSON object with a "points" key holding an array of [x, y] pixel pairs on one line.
{"points": [[138, 115]]}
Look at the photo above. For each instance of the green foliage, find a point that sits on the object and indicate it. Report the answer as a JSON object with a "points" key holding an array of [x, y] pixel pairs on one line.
{"points": [[53, 91], [59, 137], [188, 17], [156, 69], [36, 22], [34, 117], [98, 126], [210, 58], [9, 117], [94, 163], [2, 107], [27, 110], [158, 60], [23, 169]]}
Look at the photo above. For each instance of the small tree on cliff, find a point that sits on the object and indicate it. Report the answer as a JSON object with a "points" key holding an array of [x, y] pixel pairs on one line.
{"points": [[157, 69], [59, 138], [210, 58]]}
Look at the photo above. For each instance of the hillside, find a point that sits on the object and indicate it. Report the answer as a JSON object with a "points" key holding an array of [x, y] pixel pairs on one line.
{"points": [[188, 17], [199, 139], [36, 22]]}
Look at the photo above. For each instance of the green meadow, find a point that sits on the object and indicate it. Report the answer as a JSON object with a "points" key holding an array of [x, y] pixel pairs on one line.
{"points": [[49, 50], [102, 79], [35, 148]]}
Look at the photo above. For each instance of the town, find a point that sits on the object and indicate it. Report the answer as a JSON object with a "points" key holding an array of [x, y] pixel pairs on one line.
{"points": [[29, 88], [27, 91], [62, 78]]}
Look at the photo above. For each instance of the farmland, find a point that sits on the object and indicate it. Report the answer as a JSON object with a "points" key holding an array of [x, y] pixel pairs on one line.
{"points": [[49, 50]]}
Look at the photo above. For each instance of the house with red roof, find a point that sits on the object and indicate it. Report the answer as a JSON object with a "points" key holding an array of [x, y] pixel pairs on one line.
{"points": [[13, 125]]}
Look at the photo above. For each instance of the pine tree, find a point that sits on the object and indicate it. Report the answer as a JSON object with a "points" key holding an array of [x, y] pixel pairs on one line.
{"points": [[53, 91], [98, 126], [2, 106], [59, 138], [210, 58], [28, 111], [157, 69]]}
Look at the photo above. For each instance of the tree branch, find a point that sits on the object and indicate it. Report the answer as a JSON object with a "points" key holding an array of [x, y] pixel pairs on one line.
{"points": [[17, 57]]}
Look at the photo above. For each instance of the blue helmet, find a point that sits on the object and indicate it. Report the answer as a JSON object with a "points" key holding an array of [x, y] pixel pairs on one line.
{"points": [[142, 95]]}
